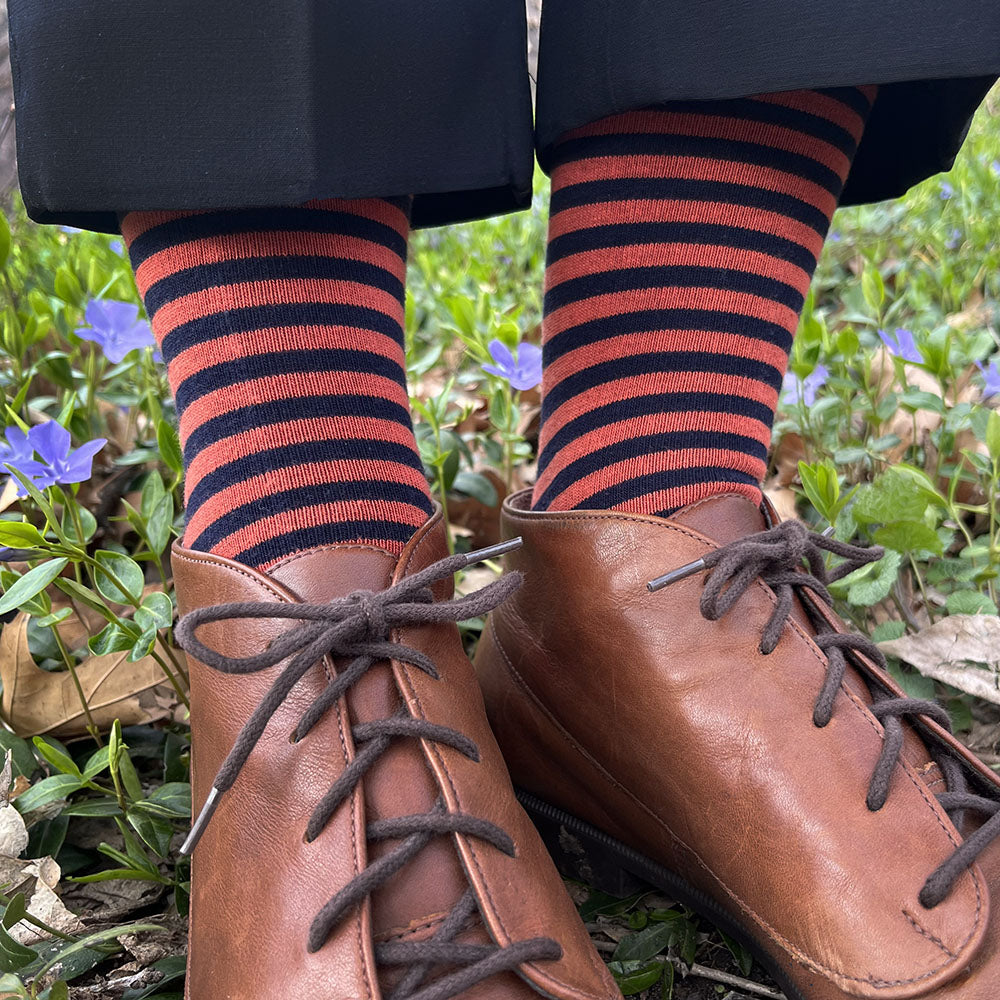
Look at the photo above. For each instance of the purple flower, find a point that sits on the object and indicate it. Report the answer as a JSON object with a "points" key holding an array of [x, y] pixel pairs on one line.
{"points": [[995, 167], [525, 372], [835, 236], [991, 378], [795, 390], [901, 345], [116, 327], [947, 191], [954, 239], [116, 246], [16, 450], [61, 464], [70, 230]]}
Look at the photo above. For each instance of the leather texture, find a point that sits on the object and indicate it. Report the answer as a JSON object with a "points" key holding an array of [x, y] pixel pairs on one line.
{"points": [[257, 884], [678, 737]]}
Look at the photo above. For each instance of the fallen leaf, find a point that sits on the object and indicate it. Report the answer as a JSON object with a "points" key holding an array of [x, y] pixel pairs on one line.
{"points": [[960, 650], [13, 832], [37, 878], [39, 701], [9, 493]]}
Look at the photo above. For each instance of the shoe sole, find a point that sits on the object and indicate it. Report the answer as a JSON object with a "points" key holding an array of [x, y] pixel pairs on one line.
{"points": [[591, 856]]}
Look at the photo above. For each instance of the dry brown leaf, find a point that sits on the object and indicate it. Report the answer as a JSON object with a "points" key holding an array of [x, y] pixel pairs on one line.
{"points": [[37, 878], [38, 701], [960, 650], [8, 494], [782, 498]]}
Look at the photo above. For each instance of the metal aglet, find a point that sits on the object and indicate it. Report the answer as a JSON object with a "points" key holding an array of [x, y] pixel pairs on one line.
{"points": [[501, 548], [675, 575], [211, 803], [828, 532]]}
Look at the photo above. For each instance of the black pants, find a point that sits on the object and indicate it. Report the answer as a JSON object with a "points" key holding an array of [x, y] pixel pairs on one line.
{"points": [[173, 104]]}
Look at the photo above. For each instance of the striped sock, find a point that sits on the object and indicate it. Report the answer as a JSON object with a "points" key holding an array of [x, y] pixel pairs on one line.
{"points": [[282, 330], [682, 241]]}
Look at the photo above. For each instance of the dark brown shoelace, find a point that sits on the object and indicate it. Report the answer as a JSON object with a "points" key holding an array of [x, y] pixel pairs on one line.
{"points": [[779, 557], [358, 628]]}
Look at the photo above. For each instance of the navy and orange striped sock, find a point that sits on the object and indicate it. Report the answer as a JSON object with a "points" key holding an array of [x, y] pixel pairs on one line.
{"points": [[682, 241], [282, 330]]}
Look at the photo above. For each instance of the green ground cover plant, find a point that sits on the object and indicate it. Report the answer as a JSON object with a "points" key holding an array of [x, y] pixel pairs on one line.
{"points": [[887, 434]]}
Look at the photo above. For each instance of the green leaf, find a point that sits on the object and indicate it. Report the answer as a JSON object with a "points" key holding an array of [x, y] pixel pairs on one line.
{"points": [[742, 955], [21, 534], [13, 955], [886, 631], [873, 288], [50, 789], [969, 602], [171, 800], [67, 286], [159, 525], [634, 977], [98, 937], [643, 945], [872, 583], [14, 911], [93, 807], [55, 618], [909, 536], [4, 239], [128, 573], [96, 763], [155, 612], [475, 485], [171, 969], [33, 582], [170, 447], [59, 759], [109, 874], [111, 639], [10, 983], [57, 991], [993, 435], [22, 759], [85, 596], [88, 524], [126, 770], [155, 832]]}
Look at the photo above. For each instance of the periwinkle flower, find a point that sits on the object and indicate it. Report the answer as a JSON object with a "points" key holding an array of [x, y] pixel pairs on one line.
{"points": [[995, 167], [116, 328], [835, 236], [991, 378], [954, 239], [116, 246], [947, 191], [60, 463], [16, 451], [524, 372], [795, 390], [901, 345]]}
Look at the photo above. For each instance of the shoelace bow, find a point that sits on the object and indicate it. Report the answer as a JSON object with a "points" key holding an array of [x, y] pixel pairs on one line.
{"points": [[358, 628], [779, 556]]}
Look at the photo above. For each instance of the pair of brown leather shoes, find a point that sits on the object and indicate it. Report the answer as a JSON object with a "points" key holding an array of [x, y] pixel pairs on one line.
{"points": [[718, 734]]}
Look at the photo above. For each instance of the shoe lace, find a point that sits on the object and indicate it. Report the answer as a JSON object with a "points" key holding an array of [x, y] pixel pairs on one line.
{"points": [[358, 628], [779, 557]]}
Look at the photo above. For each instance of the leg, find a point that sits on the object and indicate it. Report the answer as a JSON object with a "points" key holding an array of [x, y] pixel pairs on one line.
{"points": [[681, 246], [283, 336]]}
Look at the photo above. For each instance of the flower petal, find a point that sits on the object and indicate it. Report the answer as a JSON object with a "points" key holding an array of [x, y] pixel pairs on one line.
{"points": [[51, 440], [501, 354]]}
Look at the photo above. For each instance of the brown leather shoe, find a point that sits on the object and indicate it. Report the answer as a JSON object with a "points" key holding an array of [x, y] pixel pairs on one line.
{"points": [[365, 840], [725, 739]]}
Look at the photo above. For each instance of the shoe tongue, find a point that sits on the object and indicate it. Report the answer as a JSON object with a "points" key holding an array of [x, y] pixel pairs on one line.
{"points": [[320, 575], [722, 518]]}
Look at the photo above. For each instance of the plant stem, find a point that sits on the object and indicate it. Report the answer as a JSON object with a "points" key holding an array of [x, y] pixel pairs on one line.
{"points": [[170, 676], [71, 667]]}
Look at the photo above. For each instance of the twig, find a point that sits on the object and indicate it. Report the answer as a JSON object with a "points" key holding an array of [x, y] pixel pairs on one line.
{"points": [[704, 972]]}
